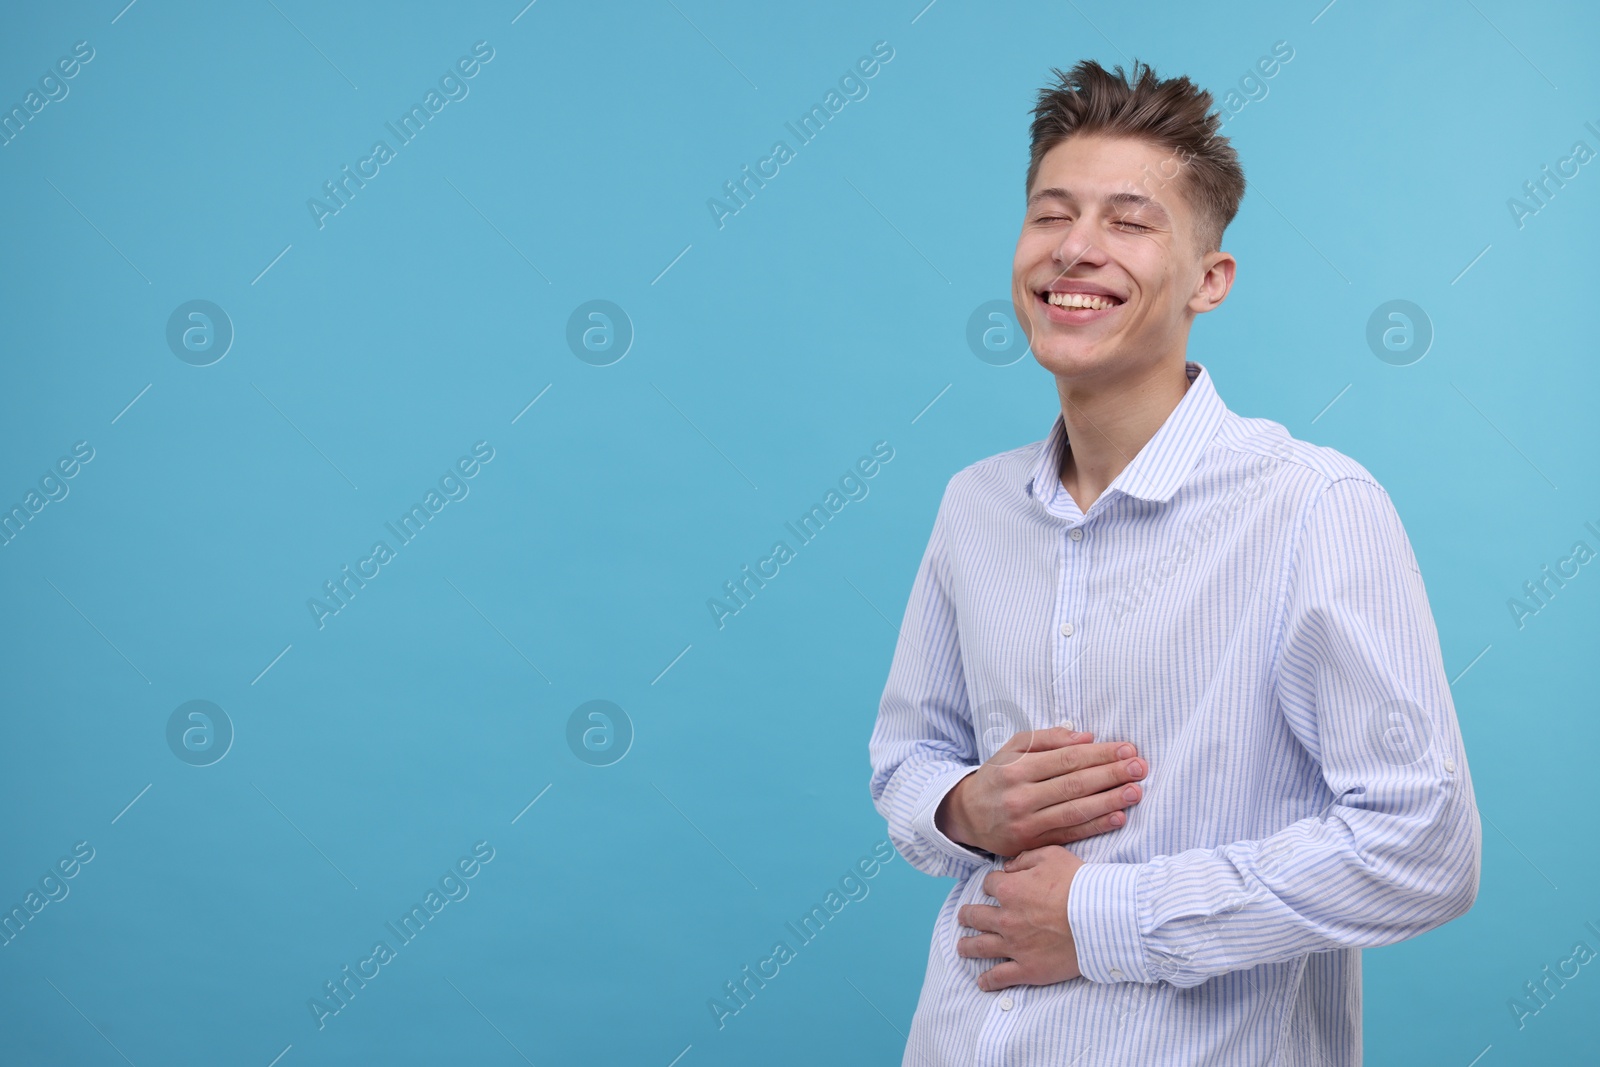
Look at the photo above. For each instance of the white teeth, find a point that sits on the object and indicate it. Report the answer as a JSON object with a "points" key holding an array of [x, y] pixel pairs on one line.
{"points": [[1081, 300]]}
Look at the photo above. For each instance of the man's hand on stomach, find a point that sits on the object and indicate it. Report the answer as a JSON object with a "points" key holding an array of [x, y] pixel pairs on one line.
{"points": [[1043, 787]]}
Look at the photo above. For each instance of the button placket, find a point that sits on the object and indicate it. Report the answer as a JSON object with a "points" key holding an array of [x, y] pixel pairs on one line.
{"points": [[1075, 535], [1069, 591]]}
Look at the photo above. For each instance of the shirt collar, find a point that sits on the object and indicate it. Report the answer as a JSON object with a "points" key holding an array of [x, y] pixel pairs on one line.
{"points": [[1161, 466]]}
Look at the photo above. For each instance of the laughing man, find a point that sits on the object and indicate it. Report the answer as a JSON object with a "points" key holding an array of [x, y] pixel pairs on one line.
{"points": [[1168, 700]]}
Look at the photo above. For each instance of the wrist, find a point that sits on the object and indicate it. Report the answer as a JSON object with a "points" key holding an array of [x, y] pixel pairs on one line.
{"points": [[950, 816]]}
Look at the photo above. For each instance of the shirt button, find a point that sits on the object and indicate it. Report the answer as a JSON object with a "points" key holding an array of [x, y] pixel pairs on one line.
{"points": [[1070, 725], [1075, 533], [1066, 629], [1116, 974], [1006, 1004], [1450, 766]]}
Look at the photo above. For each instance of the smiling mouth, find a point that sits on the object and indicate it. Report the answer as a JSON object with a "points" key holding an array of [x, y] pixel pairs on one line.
{"points": [[1076, 307]]}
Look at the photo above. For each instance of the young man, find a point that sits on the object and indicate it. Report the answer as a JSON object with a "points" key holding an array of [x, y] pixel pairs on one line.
{"points": [[1236, 615]]}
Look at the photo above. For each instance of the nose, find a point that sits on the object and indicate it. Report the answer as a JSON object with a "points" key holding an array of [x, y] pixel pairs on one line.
{"points": [[1077, 245]]}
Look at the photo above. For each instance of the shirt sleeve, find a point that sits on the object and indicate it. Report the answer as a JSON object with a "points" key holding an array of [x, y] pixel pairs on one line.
{"points": [[1360, 679], [923, 742]]}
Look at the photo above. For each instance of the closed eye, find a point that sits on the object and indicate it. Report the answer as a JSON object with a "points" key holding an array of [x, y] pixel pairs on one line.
{"points": [[1120, 222]]}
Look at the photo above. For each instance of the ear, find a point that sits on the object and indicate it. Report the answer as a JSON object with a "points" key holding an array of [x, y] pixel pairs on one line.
{"points": [[1216, 279]]}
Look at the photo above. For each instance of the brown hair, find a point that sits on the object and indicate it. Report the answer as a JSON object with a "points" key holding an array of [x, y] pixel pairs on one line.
{"points": [[1174, 113]]}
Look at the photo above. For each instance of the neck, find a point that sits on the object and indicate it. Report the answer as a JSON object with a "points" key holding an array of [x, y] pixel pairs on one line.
{"points": [[1109, 422]]}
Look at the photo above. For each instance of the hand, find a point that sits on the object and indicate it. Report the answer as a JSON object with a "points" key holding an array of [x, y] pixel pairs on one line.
{"points": [[1043, 787], [1029, 930]]}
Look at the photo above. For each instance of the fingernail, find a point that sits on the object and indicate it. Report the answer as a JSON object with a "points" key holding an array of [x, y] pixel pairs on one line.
{"points": [[1117, 818], [1124, 751], [1136, 768], [1130, 794]]}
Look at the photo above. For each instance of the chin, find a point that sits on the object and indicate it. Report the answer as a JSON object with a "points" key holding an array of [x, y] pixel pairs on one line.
{"points": [[1066, 359]]}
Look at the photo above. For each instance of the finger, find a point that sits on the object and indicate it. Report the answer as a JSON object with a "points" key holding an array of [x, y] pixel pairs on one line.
{"points": [[979, 917], [982, 946], [1001, 976], [1104, 824], [1086, 781], [1045, 740], [1022, 861], [1070, 758], [1080, 810]]}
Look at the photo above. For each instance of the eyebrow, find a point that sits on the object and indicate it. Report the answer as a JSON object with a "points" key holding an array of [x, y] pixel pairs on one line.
{"points": [[1137, 201]]}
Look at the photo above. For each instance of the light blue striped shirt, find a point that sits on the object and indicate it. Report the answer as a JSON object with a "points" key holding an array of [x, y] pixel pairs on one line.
{"points": [[1246, 608]]}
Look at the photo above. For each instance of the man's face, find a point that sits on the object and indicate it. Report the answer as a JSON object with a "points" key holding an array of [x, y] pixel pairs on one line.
{"points": [[1107, 220]]}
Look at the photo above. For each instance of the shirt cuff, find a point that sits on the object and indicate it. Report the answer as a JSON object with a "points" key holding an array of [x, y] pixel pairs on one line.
{"points": [[1103, 912], [923, 822]]}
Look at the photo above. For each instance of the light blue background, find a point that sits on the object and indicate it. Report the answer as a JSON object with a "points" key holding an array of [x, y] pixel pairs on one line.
{"points": [[824, 317]]}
